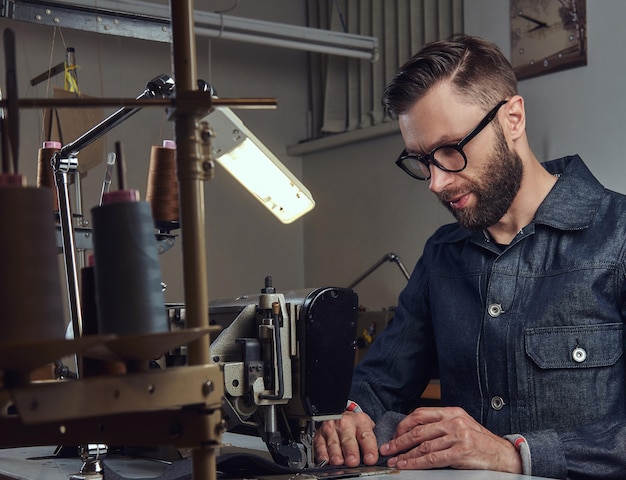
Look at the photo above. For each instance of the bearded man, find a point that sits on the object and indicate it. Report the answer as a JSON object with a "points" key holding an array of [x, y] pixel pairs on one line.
{"points": [[520, 304]]}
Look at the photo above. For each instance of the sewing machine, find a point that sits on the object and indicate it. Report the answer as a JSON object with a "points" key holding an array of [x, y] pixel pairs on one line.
{"points": [[287, 360]]}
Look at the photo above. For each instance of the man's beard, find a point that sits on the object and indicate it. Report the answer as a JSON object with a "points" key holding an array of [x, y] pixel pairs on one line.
{"points": [[495, 189]]}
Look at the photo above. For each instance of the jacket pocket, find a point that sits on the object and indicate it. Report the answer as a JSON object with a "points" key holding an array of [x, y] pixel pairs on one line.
{"points": [[575, 374], [582, 346]]}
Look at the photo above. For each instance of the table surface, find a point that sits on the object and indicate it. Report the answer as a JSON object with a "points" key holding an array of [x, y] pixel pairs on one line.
{"points": [[39, 463]]}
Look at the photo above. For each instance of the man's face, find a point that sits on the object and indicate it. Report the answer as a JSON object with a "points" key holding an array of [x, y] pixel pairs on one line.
{"points": [[494, 186], [480, 195]]}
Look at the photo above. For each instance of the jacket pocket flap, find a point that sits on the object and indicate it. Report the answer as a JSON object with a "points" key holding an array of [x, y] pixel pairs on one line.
{"points": [[582, 346]]}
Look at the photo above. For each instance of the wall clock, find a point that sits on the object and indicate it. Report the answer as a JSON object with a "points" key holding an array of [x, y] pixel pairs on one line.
{"points": [[547, 36]]}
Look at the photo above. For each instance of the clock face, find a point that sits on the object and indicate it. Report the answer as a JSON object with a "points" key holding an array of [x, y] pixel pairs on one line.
{"points": [[547, 35]]}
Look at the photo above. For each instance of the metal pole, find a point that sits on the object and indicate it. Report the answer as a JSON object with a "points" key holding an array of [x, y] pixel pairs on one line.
{"points": [[191, 191], [61, 177]]}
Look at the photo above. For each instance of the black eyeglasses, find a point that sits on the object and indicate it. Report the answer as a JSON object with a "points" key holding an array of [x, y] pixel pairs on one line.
{"points": [[449, 158]]}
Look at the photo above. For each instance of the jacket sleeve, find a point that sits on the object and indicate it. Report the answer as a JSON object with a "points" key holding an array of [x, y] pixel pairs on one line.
{"points": [[588, 452], [400, 361]]}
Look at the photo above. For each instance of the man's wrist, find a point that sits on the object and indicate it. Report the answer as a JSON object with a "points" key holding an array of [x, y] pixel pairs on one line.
{"points": [[520, 444]]}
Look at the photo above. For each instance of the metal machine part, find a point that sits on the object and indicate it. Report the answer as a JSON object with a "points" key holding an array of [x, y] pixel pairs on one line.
{"points": [[287, 360]]}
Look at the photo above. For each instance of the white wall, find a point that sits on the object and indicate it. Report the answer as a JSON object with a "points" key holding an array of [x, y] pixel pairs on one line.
{"points": [[244, 241], [369, 207]]}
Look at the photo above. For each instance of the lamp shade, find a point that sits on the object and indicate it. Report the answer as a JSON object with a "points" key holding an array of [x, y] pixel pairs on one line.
{"points": [[245, 157]]}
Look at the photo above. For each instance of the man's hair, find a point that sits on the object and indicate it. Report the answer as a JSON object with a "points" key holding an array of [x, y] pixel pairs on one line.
{"points": [[476, 68]]}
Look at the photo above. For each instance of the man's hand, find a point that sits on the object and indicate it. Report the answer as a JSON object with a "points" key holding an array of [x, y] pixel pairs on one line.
{"points": [[449, 437], [342, 442]]}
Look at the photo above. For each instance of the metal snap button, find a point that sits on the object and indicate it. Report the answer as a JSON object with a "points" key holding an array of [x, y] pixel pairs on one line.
{"points": [[495, 309], [497, 403], [579, 355]]}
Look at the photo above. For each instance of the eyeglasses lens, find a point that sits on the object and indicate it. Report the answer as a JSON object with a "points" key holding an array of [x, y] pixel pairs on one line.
{"points": [[450, 159], [416, 167]]}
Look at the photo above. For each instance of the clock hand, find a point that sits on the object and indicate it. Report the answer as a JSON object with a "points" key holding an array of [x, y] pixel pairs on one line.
{"points": [[539, 23]]}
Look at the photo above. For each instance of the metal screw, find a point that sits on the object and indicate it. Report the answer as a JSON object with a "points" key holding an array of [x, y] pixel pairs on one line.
{"points": [[207, 388], [220, 427]]}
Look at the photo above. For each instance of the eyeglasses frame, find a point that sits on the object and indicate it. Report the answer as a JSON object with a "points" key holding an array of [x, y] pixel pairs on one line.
{"points": [[429, 158]]}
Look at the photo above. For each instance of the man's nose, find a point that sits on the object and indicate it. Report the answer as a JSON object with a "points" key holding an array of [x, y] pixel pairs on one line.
{"points": [[439, 179]]}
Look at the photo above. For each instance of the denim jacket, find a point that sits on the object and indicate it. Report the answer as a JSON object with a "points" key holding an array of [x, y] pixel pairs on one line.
{"points": [[528, 338]]}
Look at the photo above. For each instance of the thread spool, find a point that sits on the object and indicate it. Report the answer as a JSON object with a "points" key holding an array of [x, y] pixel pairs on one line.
{"points": [[129, 298], [162, 188], [30, 287], [45, 172], [91, 367]]}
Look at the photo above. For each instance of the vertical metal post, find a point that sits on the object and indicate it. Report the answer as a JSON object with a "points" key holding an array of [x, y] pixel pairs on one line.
{"points": [[191, 191], [61, 177]]}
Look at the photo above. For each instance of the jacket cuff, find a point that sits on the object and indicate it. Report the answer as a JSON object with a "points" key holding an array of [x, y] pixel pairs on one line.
{"points": [[353, 407], [519, 442], [545, 454]]}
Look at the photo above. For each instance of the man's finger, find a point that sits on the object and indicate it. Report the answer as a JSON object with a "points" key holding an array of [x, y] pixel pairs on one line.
{"points": [[350, 448], [319, 447], [369, 445], [328, 444]]}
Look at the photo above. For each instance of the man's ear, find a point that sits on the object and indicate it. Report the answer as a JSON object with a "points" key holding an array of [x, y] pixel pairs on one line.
{"points": [[515, 118]]}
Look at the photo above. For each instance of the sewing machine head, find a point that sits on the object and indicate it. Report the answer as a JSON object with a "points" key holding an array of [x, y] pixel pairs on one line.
{"points": [[288, 361]]}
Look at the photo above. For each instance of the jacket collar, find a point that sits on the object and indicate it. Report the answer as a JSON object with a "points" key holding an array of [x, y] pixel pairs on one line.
{"points": [[574, 199]]}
